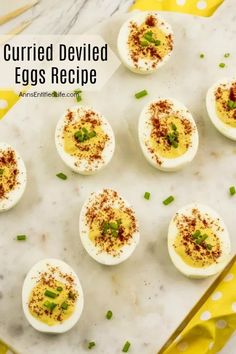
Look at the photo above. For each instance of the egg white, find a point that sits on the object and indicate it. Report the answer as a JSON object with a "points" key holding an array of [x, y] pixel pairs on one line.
{"points": [[145, 66], [102, 256], [179, 263], [84, 167], [144, 131], [223, 128], [31, 281], [14, 196]]}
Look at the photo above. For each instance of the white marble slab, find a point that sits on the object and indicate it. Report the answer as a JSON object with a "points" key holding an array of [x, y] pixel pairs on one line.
{"points": [[147, 295], [62, 17]]}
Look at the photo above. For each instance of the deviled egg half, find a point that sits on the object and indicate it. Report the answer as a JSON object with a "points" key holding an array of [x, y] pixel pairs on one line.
{"points": [[198, 241], [84, 140], [52, 296], [221, 106], [168, 134], [12, 177], [108, 227], [145, 42]]}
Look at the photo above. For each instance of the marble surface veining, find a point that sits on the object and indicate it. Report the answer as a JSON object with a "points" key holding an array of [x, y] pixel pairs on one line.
{"points": [[147, 295]]}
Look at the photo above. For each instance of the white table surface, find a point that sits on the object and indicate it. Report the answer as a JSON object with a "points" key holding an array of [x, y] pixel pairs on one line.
{"points": [[146, 291]]}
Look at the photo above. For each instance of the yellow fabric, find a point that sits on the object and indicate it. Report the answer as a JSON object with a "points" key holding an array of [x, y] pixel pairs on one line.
{"points": [[8, 99], [5, 349], [213, 324], [195, 7]]}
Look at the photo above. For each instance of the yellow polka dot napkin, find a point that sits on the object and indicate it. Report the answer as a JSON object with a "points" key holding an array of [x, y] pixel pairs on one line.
{"points": [[195, 7], [211, 322], [5, 349], [8, 99]]}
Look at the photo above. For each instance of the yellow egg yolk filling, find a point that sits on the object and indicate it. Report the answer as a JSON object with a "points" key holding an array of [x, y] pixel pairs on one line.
{"points": [[198, 251], [8, 173], [167, 142], [226, 114], [148, 42], [111, 229], [54, 309], [89, 149]]}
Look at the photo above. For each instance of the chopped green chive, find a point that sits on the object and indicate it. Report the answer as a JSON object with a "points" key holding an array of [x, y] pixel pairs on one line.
{"points": [[149, 38], [147, 195], [209, 247], [91, 345], [59, 288], [109, 314], [1, 171], [84, 134], [78, 95], [157, 42], [144, 43], [61, 176], [126, 347], [50, 293], [202, 55], [168, 200], [141, 94], [50, 305], [196, 234], [21, 237], [232, 190], [227, 55], [64, 306], [204, 237], [113, 227], [198, 237], [231, 104], [54, 94], [222, 65], [173, 136]]}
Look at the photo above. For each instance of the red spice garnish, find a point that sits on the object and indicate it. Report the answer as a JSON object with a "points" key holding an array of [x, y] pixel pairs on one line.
{"points": [[10, 180], [103, 206], [150, 52], [49, 278], [151, 21], [187, 226], [232, 94], [91, 118], [159, 112]]}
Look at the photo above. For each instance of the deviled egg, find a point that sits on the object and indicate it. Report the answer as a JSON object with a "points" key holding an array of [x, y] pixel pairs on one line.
{"points": [[198, 241], [221, 106], [84, 140], [52, 296], [168, 134], [108, 227], [145, 42], [12, 177]]}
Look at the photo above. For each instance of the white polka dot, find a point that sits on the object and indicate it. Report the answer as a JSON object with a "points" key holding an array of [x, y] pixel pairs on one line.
{"points": [[205, 316], [229, 277], [180, 2], [211, 345], [182, 346], [216, 296], [3, 104], [234, 306], [221, 324], [201, 5]]}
